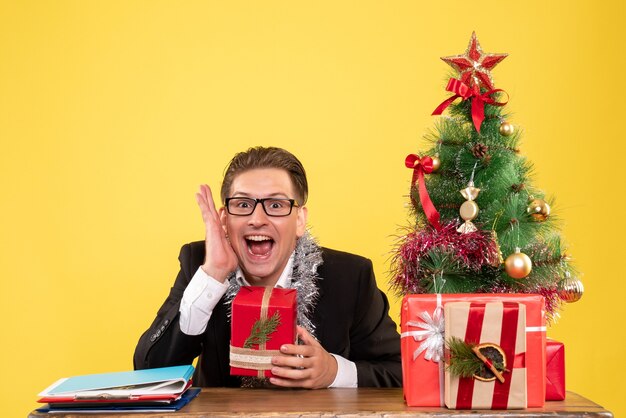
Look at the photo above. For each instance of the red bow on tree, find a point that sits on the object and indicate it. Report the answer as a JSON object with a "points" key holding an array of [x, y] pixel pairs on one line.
{"points": [[420, 166], [462, 90]]}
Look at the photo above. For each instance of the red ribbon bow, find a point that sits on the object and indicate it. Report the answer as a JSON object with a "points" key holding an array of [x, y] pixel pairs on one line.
{"points": [[462, 90], [420, 166]]}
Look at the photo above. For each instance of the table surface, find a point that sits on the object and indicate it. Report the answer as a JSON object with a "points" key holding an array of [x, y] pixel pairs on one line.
{"points": [[362, 402]]}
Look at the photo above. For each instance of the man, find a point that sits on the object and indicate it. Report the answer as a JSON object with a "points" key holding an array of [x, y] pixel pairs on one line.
{"points": [[259, 238]]}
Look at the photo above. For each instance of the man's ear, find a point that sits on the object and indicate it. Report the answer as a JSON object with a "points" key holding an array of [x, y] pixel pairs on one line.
{"points": [[223, 218], [303, 213]]}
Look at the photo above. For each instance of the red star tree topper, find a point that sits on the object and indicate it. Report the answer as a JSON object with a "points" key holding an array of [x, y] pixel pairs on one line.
{"points": [[475, 65]]}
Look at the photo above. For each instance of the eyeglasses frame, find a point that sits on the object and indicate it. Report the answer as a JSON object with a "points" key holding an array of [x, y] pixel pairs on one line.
{"points": [[292, 204]]}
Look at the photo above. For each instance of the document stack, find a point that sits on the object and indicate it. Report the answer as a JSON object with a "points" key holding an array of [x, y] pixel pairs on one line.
{"points": [[150, 390]]}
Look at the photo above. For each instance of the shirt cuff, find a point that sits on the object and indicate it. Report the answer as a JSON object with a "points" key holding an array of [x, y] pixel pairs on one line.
{"points": [[346, 373], [199, 299]]}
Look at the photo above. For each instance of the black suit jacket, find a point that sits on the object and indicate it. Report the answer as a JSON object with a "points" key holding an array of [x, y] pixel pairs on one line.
{"points": [[351, 319]]}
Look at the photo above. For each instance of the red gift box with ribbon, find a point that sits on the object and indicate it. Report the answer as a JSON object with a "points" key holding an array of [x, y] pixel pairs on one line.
{"points": [[262, 319], [422, 328], [500, 326], [555, 371]]}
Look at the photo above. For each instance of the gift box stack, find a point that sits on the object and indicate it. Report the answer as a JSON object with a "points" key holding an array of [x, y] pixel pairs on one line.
{"points": [[430, 320], [482, 270], [262, 319]]}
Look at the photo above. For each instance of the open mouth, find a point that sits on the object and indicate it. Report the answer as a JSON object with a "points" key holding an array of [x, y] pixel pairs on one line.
{"points": [[259, 245]]}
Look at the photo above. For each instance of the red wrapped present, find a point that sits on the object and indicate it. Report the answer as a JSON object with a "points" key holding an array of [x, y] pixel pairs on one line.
{"points": [[555, 371], [262, 319], [497, 333], [422, 328]]}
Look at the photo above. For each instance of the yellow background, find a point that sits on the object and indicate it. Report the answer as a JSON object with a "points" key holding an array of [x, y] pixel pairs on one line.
{"points": [[113, 112]]}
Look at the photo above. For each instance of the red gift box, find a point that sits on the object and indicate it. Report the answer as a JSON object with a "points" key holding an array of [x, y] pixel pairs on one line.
{"points": [[262, 319], [555, 371], [422, 329], [502, 324]]}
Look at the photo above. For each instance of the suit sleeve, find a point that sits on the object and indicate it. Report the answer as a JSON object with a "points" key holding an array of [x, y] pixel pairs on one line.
{"points": [[164, 344], [374, 339]]}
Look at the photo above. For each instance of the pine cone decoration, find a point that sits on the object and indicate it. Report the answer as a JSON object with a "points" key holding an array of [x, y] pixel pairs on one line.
{"points": [[518, 187], [480, 150]]}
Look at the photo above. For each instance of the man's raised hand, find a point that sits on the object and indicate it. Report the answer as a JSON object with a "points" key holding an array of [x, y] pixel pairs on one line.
{"points": [[220, 259]]}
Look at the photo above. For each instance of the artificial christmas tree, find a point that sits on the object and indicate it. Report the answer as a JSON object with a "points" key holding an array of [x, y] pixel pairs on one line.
{"points": [[482, 232], [480, 224]]}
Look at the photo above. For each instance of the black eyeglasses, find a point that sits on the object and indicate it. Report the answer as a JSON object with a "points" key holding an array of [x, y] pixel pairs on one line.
{"points": [[244, 206]]}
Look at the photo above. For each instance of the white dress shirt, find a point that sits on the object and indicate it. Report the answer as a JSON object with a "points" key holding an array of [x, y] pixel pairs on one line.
{"points": [[204, 292]]}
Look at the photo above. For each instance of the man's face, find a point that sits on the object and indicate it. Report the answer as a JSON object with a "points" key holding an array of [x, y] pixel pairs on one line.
{"points": [[263, 243]]}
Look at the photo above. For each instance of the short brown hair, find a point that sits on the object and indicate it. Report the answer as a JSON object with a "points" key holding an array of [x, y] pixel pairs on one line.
{"points": [[267, 157]]}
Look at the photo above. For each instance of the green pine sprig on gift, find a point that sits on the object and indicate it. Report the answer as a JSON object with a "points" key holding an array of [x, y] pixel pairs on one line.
{"points": [[261, 330], [463, 360]]}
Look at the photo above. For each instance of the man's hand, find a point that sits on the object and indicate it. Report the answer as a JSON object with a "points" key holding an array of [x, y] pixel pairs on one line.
{"points": [[220, 259], [306, 366]]}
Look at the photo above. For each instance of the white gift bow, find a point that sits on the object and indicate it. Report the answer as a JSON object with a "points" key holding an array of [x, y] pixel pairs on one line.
{"points": [[432, 335]]}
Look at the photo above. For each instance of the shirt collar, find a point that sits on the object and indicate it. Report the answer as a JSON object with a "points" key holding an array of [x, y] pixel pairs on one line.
{"points": [[284, 281]]}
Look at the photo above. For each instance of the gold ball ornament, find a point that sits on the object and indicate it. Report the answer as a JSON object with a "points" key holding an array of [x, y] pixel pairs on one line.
{"points": [[436, 163], [571, 289], [518, 265], [506, 129], [468, 210], [538, 209]]}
